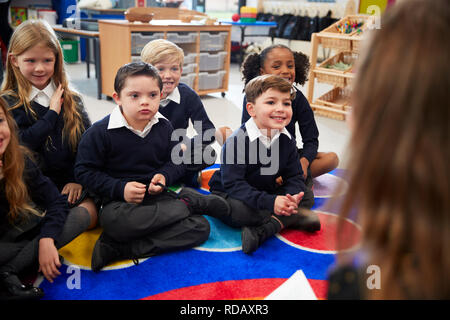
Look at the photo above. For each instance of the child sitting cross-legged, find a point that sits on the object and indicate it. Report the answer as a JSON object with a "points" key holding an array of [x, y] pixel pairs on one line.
{"points": [[126, 159], [253, 157]]}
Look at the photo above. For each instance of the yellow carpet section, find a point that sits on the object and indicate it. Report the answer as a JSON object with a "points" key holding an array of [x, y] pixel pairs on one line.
{"points": [[79, 251]]}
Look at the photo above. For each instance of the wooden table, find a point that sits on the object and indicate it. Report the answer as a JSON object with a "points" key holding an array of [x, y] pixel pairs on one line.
{"points": [[88, 35]]}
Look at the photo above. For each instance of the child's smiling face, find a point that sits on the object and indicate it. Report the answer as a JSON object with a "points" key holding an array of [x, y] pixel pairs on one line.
{"points": [[280, 62], [36, 64], [170, 73], [271, 110]]}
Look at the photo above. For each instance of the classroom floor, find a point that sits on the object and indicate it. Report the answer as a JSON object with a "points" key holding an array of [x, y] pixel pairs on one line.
{"points": [[334, 134]]}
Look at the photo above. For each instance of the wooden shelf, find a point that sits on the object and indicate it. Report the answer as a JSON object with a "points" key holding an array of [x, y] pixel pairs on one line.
{"points": [[115, 47], [342, 43]]}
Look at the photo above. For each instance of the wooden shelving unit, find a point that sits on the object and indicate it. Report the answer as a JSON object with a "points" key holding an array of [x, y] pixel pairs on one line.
{"points": [[116, 49], [335, 103]]}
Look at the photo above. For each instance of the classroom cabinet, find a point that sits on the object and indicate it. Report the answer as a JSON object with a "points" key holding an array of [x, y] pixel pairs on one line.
{"points": [[206, 48]]}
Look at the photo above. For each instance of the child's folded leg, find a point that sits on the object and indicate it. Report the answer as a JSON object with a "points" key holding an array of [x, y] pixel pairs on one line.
{"points": [[127, 221], [211, 204], [187, 233]]}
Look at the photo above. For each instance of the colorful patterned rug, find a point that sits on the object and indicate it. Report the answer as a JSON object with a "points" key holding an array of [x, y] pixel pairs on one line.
{"points": [[216, 270]]}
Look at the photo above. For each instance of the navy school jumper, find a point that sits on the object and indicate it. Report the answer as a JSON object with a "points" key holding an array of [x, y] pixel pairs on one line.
{"points": [[108, 159], [45, 195], [190, 107], [240, 174], [43, 134]]}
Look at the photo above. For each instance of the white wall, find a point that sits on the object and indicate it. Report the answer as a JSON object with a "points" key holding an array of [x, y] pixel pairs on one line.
{"points": [[222, 5]]}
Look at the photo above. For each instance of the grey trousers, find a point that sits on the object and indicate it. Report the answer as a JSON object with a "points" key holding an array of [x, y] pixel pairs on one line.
{"points": [[157, 225]]}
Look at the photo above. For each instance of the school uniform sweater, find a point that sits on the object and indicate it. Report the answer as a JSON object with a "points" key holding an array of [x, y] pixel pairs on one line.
{"points": [[190, 107], [43, 134], [303, 114], [243, 171], [45, 195], [108, 159]]}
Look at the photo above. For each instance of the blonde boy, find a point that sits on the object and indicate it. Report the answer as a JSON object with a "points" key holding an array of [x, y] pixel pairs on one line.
{"points": [[179, 104]]}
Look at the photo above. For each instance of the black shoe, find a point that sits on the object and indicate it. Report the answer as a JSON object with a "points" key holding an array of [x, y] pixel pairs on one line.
{"points": [[306, 220], [250, 239], [105, 252], [253, 237], [15, 290], [210, 204]]}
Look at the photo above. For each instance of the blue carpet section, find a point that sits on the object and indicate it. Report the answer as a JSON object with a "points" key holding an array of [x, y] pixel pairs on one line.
{"points": [[218, 259], [187, 268]]}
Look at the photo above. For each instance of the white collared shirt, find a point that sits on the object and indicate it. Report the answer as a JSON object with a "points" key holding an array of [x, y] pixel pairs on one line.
{"points": [[173, 96], [255, 133], [117, 120], [43, 96]]}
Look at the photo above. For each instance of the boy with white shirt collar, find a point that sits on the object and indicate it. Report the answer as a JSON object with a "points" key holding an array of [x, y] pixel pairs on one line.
{"points": [[253, 157], [181, 104], [125, 159]]}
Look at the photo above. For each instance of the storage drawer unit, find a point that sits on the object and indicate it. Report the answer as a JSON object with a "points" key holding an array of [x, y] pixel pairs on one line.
{"points": [[190, 57], [212, 41], [122, 41], [212, 61], [208, 81], [182, 37], [188, 79], [189, 68], [140, 39]]}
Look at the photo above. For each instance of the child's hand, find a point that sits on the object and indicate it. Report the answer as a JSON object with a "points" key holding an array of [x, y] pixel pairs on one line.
{"points": [[73, 191], [153, 188], [279, 181], [285, 206], [305, 164], [48, 259], [296, 198], [134, 192], [222, 134], [57, 99]]}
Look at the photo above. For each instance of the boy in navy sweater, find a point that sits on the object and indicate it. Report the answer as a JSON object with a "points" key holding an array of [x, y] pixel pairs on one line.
{"points": [[253, 157], [180, 104], [125, 159]]}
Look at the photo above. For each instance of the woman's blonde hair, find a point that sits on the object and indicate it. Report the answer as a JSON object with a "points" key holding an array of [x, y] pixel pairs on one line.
{"points": [[162, 50], [27, 35], [399, 177], [16, 191]]}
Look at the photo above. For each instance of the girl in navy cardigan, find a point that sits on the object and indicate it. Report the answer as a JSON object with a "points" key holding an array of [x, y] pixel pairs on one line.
{"points": [[293, 66], [51, 118], [27, 236]]}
